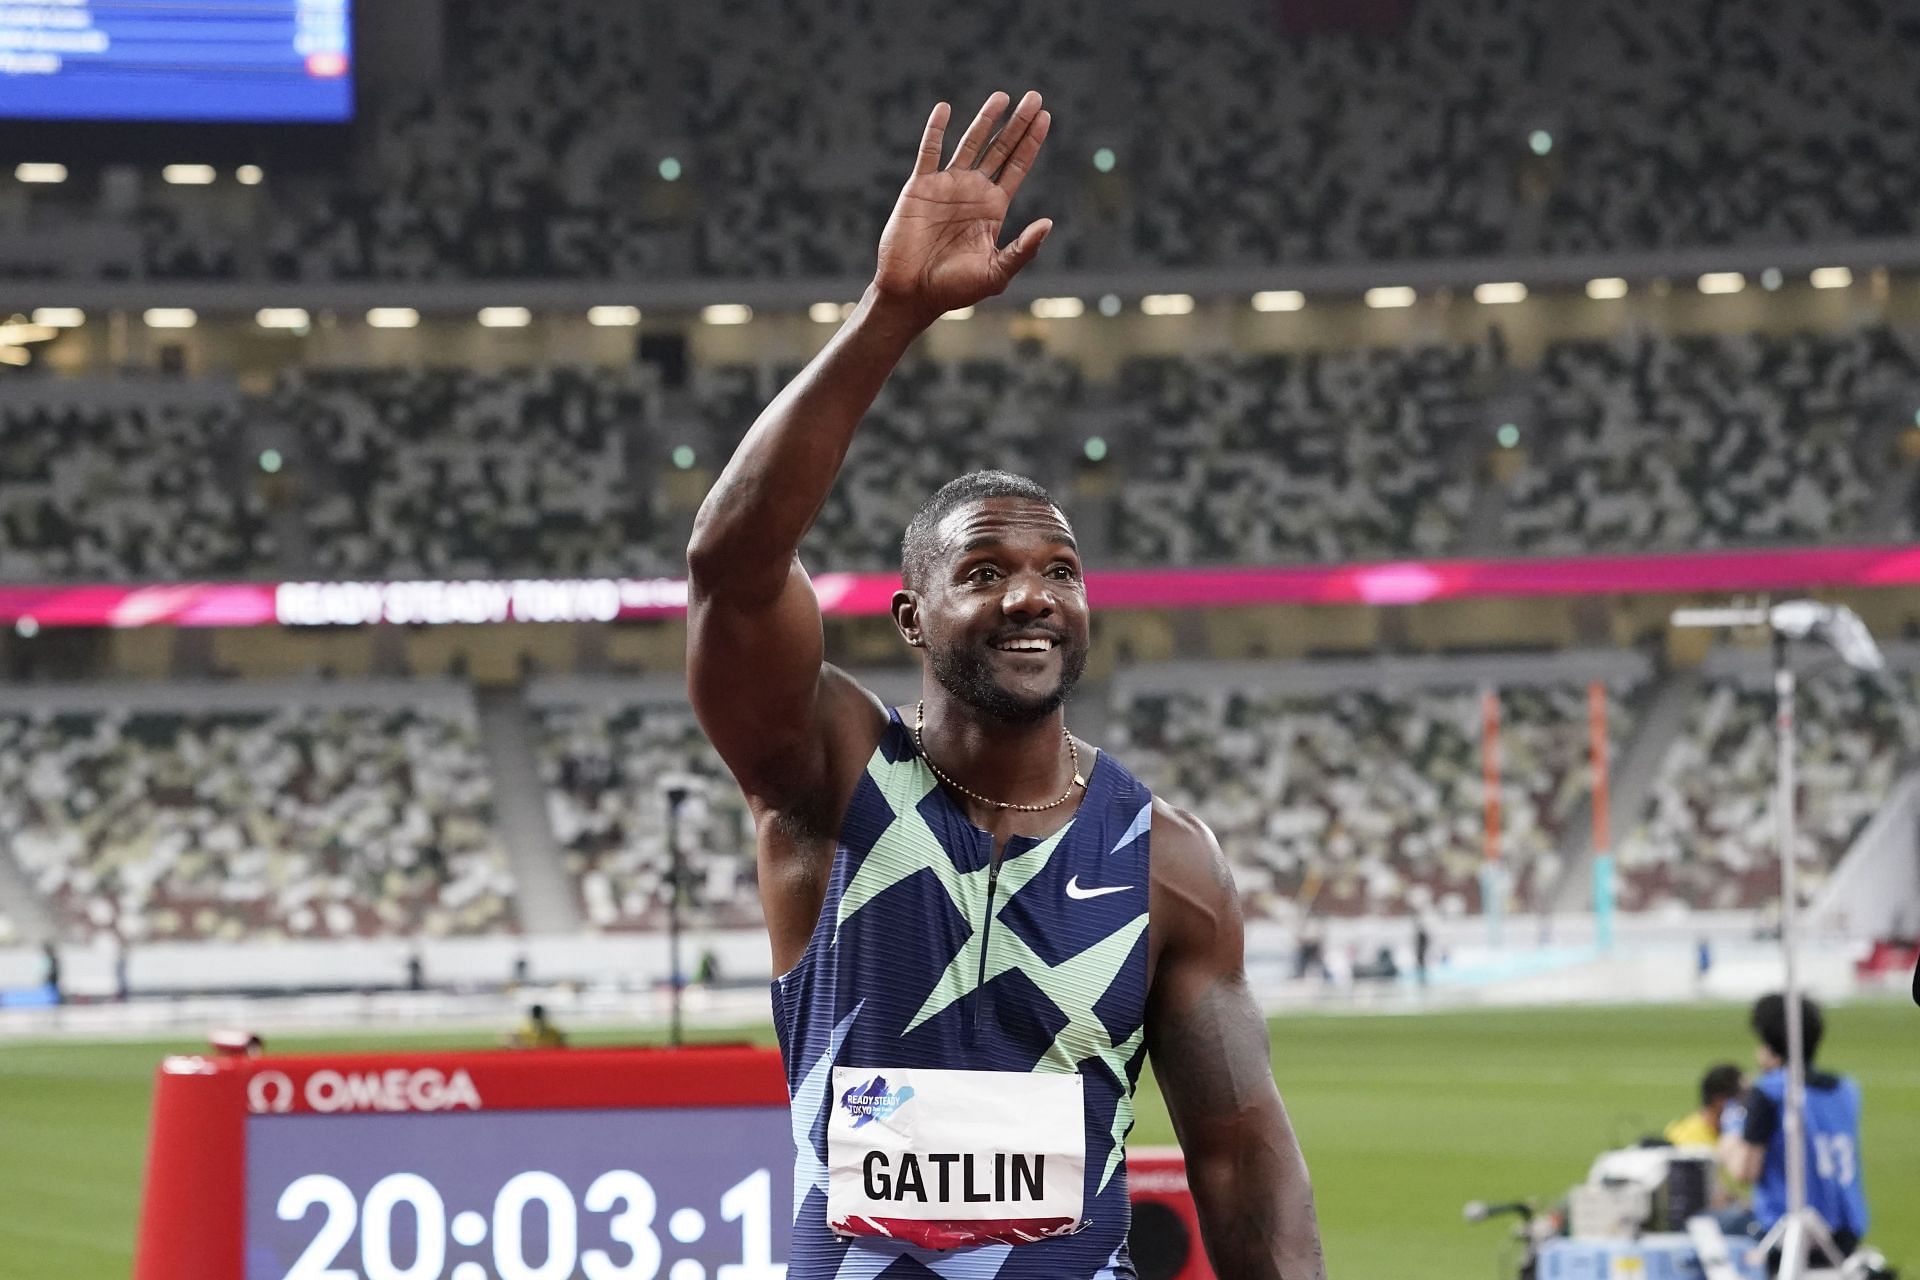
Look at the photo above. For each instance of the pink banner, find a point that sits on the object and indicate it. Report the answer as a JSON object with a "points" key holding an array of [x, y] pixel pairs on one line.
{"points": [[248, 604]]}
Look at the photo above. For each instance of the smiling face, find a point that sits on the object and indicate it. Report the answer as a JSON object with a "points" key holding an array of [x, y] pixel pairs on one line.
{"points": [[1001, 608]]}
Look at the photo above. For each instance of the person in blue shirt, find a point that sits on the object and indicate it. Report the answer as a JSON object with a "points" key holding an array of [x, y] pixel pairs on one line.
{"points": [[1758, 1152]]}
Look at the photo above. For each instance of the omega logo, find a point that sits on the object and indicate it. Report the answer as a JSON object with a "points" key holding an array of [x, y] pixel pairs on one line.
{"points": [[270, 1091]]}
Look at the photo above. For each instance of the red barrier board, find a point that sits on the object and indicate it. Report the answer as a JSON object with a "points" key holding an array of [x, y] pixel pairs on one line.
{"points": [[1165, 1239], [475, 1165], [403, 1154]]}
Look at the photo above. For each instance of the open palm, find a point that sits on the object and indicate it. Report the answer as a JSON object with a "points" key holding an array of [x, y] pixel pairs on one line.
{"points": [[941, 249]]}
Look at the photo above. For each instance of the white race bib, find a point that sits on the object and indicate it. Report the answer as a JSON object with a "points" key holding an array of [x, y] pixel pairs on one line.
{"points": [[944, 1159]]}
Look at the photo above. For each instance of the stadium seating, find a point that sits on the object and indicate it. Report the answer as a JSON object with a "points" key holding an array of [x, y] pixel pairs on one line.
{"points": [[113, 492], [1367, 801], [1672, 122], [167, 825], [1340, 455], [1641, 442], [931, 423], [1657, 441], [1713, 124], [1707, 838], [607, 770], [445, 473]]}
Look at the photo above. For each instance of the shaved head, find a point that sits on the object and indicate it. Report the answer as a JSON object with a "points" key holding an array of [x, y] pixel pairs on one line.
{"points": [[920, 547]]}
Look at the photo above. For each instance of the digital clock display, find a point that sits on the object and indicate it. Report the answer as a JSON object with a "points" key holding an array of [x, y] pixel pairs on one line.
{"points": [[692, 1193]]}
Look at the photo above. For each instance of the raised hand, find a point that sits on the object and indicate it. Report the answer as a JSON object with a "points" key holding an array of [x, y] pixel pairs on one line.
{"points": [[941, 250]]}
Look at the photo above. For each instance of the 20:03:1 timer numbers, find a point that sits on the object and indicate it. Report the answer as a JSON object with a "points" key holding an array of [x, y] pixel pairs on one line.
{"points": [[627, 1196]]}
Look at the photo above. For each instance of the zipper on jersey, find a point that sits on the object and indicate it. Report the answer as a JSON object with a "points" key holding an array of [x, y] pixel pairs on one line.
{"points": [[986, 938]]}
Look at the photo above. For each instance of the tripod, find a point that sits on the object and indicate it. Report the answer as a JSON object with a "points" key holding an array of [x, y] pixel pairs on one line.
{"points": [[1800, 1230]]}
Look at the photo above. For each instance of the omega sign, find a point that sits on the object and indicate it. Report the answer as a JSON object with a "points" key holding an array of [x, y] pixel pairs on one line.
{"points": [[395, 1089]]}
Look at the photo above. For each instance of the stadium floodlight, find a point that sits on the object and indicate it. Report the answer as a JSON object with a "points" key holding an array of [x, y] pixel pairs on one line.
{"points": [[505, 317], [1721, 282], [59, 317], [282, 318], [1167, 304], [189, 175], [1606, 288], [1831, 278], [1499, 293], [1279, 300], [726, 313], [1387, 296], [21, 335], [1800, 1229], [170, 318], [18, 357], [1057, 308], [613, 317], [959, 313], [393, 317], [250, 175], [40, 173]]}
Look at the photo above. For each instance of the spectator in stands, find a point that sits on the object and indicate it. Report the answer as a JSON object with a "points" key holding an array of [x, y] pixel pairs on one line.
{"points": [[1758, 1154], [537, 1032], [1719, 1088]]}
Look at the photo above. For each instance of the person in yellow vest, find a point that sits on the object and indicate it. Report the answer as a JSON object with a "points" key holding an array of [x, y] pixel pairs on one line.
{"points": [[538, 1033], [1719, 1088]]}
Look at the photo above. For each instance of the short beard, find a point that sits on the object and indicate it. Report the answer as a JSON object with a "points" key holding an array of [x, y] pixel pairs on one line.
{"points": [[964, 673]]}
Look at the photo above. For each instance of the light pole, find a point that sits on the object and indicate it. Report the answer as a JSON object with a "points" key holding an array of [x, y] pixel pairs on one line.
{"points": [[1801, 1228], [677, 791]]}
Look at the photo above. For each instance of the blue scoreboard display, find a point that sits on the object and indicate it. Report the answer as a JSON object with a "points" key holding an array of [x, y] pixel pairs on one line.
{"points": [[235, 61], [545, 1164]]}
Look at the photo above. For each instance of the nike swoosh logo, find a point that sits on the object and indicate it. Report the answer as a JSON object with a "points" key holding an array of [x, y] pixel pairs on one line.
{"points": [[1078, 894]]}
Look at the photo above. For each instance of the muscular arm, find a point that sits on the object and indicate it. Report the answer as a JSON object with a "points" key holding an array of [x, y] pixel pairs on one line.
{"points": [[751, 606], [755, 651], [1209, 1048]]}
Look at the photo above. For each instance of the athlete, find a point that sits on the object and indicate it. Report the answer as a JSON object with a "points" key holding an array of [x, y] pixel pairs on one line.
{"points": [[981, 924]]}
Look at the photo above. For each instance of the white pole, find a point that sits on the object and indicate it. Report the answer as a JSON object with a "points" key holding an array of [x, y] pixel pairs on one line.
{"points": [[1793, 1252]]}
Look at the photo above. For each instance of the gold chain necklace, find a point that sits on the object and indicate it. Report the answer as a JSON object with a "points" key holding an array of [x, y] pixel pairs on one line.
{"points": [[1073, 758]]}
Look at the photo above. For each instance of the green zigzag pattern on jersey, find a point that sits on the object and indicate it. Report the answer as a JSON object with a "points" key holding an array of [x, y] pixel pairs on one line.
{"points": [[1075, 985]]}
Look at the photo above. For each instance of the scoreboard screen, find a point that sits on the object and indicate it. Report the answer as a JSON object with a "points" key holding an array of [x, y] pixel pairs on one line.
{"points": [[235, 61], [520, 1194], [493, 1165]]}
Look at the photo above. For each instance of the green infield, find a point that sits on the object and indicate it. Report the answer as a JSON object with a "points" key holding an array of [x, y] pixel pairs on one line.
{"points": [[1403, 1119]]}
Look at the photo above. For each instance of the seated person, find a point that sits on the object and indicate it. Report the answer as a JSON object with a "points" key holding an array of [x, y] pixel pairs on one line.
{"points": [[1758, 1153], [1720, 1087], [537, 1033]]}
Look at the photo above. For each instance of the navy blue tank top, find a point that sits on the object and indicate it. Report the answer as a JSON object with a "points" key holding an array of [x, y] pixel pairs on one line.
{"points": [[924, 957]]}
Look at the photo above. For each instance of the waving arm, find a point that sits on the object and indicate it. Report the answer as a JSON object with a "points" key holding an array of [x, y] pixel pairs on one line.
{"points": [[751, 609]]}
